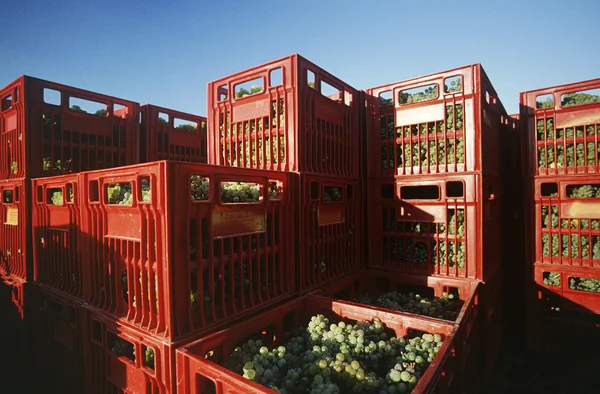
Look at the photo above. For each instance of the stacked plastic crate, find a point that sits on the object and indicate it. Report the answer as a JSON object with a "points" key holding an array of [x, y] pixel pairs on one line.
{"points": [[290, 115], [49, 129], [562, 170], [434, 192]]}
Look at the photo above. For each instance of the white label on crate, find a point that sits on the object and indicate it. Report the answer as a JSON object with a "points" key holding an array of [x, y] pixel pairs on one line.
{"points": [[12, 216], [425, 114]]}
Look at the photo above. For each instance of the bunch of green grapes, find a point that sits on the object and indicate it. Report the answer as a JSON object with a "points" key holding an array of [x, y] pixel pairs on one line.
{"points": [[234, 192], [584, 191], [550, 219], [585, 284], [200, 187], [327, 357], [445, 307], [450, 124], [386, 127], [552, 278], [455, 251], [545, 132]]}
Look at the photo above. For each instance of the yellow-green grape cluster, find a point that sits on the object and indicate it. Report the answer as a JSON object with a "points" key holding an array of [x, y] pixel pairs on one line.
{"points": [[456, 222], [445, 307], [149, 357], [326, 357], [584, 191], [386, 126], [47, 165], [200, 187], [57, 197], [14, 167], [448, 151], [454, 251], [427, 94], [567, 154], [253, 90], [235, 192], [332, 193], [585, 284], [546, 245], [552, 278], [545, 130], [121, 194], [450, 117]]}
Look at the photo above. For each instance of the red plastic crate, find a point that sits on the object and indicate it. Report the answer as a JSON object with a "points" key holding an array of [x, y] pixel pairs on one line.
{"points": [[561, 135], [56, 218], [288, 124], [166, 134], [198, 368], [412, 226], [24, 296], [493, 324], [567, 283], [112, 358], [567, 229], [61, 337], [412, 132], [555, 320], [376, 282], [43, 131], [15, 229], [163, 252], [330, 244]]}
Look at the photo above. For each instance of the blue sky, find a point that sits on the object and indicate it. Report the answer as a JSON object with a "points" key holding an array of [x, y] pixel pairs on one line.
{"points": [[165, 52]]}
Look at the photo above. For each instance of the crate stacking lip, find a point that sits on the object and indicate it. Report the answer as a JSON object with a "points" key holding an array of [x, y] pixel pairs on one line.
{"points": [[45, 131], [567, 220], [174, 247], [441, 225], [56, 218], [330, 229], [15, 229], [198, 366], [438, 123], [562, 129], [285, 115], [180, 137]]}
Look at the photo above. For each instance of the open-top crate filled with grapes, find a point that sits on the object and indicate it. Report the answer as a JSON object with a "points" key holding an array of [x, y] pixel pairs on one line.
{"points": [[438, 123], [51, 129], [285, 115], [15, 229], [315, 344], [330, 243], [448, 299], [567, 220], [56, 222], [174, 248], [562, 129], [166, 134], [442, 226]]}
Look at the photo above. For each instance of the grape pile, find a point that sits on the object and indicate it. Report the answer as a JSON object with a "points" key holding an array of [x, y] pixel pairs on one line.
{"points": [[332, 193], [552, 278], [57, 197], [332, 358], [446, 307], [583, 191], [566, 154], [430, 152], [233, 192], [561, 248], [47, 165], [585, 284], [120, 193], [271, 149]]}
